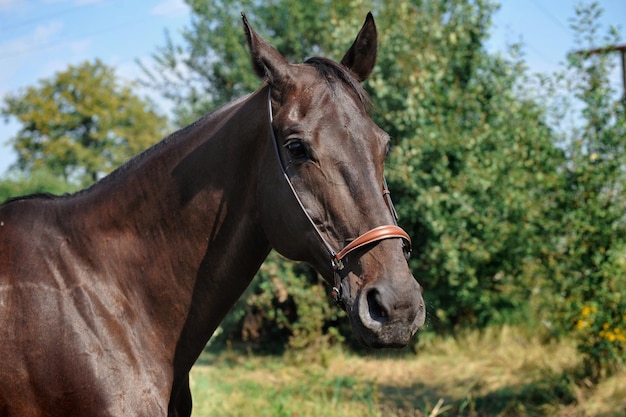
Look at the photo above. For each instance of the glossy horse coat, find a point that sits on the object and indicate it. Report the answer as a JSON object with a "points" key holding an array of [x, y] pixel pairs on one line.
{"points": [[108, 296]]}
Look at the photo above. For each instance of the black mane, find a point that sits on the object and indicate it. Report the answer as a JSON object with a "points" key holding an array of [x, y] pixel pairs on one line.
{"points": [[44, 196], [331, 71]]}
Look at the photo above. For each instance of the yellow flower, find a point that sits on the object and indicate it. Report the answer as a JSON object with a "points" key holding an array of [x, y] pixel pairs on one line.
{"points": [[588, 310], [613, 336]]}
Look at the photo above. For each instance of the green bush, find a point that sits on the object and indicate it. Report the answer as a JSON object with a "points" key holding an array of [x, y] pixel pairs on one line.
{"points": [[473, 162], [585, 271], [17, 184], [287, 305], [514, 215]]}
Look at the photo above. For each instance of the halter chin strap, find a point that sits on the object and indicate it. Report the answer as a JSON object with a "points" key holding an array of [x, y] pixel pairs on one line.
{"points": [[390, 231]]}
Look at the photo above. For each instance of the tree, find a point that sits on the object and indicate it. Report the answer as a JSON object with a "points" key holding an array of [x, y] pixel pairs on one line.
{"points": [[585, 269], [473, 166], [81, 123], [17, 183], [212, 66]]}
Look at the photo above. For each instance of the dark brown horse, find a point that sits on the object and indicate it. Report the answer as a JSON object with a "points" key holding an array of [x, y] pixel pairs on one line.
{"points": [[108, 296]]}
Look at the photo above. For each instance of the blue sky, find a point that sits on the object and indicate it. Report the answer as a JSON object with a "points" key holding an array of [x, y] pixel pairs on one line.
{"points": [[41, 37]]}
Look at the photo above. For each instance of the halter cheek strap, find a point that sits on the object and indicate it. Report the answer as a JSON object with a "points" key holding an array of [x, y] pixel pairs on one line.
{"points": [[389, 231]]}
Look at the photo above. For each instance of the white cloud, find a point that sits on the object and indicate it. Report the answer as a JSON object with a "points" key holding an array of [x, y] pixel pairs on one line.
{"points": [[125, 69], [13, 50], [82, 2], [51, 66], [43, 33], [7, 5], [80, 47], [168, 8]]}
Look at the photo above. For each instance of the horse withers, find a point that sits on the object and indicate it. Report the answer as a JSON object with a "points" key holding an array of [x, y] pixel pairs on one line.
{"points": [[108, 296]]}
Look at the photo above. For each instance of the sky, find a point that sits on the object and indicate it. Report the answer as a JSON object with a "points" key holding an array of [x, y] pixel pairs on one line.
{"points": [[41, 37]]}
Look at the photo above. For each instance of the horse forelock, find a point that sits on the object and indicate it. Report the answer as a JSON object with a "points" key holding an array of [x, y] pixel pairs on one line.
{"points": [[332, 72]]}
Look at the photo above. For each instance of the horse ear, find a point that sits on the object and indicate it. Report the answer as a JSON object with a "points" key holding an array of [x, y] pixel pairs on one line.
{"points": [[267, 62], [361, 56]]}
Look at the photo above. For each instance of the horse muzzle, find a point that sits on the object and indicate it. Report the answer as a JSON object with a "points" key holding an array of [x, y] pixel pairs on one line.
{"points": [[384, 316]]}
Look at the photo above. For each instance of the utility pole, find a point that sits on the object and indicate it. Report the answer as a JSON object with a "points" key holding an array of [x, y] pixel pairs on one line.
{"points": [[616, 48]]}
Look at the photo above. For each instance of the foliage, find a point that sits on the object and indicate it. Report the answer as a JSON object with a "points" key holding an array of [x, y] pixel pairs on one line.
{"points": [[586, 269], [513, 215], [471, 164], [212, 66], [286, 305], [40, 181], [81, 123]]}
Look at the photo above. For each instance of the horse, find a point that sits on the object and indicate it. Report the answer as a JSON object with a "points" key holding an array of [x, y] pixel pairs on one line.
{"points": [[109, 295]]}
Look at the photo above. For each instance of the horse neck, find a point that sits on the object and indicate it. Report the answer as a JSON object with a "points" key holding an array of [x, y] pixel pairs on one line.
{"points": [[181, 220]]}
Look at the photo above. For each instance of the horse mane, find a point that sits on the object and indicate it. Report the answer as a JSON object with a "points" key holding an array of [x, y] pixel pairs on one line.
{"points": [[332, 71], [35, 196]]}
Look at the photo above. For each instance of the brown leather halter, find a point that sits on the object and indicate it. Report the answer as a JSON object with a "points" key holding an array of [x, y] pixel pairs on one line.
{"points": [[389, 231]]}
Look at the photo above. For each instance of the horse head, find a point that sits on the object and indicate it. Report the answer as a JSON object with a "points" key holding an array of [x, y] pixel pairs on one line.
{"points": [[323, 201]]}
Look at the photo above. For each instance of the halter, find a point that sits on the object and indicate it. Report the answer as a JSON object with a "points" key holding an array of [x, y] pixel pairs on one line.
{"points": [[389, 231]]}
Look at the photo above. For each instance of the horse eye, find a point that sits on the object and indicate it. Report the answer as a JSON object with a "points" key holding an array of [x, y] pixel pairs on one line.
{"points": [[296, 148], [407, 252]]}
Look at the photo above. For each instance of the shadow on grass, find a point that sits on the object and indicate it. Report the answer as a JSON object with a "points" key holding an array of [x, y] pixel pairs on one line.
{"points": [[536, 399]]}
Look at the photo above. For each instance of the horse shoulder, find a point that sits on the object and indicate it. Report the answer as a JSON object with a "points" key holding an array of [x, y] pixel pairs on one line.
{"points": [[67, 333]]}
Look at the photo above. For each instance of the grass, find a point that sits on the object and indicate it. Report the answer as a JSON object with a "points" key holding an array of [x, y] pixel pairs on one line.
{"points": [[498, 372]]}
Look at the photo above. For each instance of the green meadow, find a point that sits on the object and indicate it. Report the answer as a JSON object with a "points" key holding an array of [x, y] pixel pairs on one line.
{"points": [[497, 372]]}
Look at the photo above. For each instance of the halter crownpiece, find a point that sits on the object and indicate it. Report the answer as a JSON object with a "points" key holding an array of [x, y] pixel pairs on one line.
{"points": [[390, 231]]}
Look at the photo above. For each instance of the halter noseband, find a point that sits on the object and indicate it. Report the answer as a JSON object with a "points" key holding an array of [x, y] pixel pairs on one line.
{"points": [[390, 231]]}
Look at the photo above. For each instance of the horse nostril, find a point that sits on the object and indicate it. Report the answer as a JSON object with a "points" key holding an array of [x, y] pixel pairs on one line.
{"points": [[388, 318], [376, 308]]}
